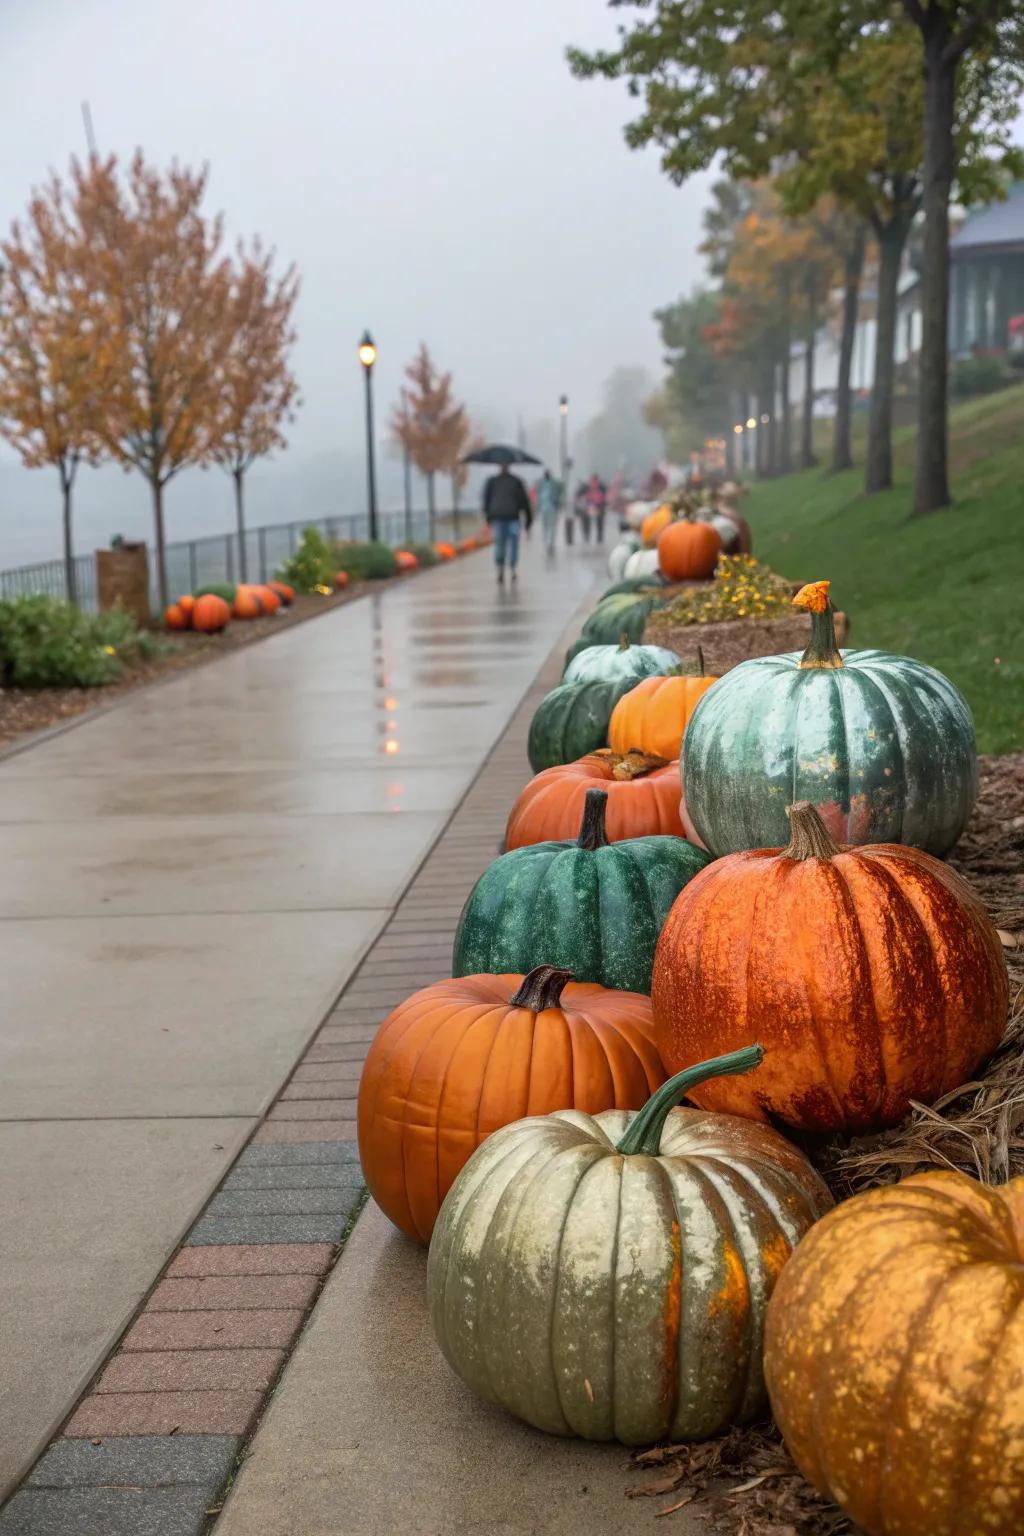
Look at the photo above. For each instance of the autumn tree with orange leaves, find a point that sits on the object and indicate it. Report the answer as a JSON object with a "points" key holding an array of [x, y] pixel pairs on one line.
{"points": [[54, 349], [430, 424], [258, 391]]}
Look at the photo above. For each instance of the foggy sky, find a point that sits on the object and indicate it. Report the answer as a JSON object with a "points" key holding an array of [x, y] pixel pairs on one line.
{"points": [[429, 164]]}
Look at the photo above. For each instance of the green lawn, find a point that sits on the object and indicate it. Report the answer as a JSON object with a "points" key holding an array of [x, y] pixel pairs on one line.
{"points": [[949, 588]]}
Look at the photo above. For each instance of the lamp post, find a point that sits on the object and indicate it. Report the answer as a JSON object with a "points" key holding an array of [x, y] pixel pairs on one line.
{"points": [[407, 470], [367, 357], [566, 464]]}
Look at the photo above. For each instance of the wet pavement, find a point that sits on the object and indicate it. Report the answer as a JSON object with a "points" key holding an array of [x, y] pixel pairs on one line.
{"points": [[189, 880]]}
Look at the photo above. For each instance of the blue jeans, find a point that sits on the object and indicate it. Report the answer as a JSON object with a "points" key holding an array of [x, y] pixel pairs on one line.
{"points": [[506, 541]]}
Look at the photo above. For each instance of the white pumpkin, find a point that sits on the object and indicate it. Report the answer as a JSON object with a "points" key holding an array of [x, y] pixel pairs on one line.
{"points": [[620, 554], [642, 562], [636, 511], [727, 531]]}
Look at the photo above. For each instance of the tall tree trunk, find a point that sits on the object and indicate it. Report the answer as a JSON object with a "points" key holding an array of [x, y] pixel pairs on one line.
{"points": [[931, 489], [243, 563], [765, 407], [807, 459], [156, 486], [891, 240], [67, 477], [853, 268], [430, 505], [785, 459], [455, 507]]}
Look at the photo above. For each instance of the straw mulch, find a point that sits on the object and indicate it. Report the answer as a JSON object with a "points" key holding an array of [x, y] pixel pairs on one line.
{"points": [[744, 1484]]}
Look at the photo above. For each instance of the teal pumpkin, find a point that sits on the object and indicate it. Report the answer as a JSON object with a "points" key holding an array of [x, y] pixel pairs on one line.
{"points": [[630, 585], [883, 746], [573, 720], [606, 662], [591, 907], [608, 1276], [623, 614]]}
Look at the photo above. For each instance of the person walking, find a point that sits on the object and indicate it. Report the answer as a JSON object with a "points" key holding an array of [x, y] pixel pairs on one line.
{"points": [[549, 495], [505, 501], [580, 508], [596, 501]]}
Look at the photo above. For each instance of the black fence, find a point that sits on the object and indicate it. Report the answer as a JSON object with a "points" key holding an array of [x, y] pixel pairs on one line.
{"points": [[197, 562]]}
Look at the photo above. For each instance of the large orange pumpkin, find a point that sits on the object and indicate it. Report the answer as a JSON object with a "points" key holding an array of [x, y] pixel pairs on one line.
{"points": [[895, 1357], [652, 717], [688, 550], [872, 975], [463, 1057], [247, 604], [643, 799], [175, 617], [654, 523], [210, 614]]}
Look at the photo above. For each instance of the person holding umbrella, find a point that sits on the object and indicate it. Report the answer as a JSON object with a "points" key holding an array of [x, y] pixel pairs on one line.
{"points": [[505, 502]]}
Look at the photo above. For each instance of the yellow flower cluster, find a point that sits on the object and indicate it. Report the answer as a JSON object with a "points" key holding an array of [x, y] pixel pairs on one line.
{"points": [[743, 588]]}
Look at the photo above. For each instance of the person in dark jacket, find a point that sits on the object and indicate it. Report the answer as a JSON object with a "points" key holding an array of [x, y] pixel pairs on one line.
{"points": [[505, 501]]}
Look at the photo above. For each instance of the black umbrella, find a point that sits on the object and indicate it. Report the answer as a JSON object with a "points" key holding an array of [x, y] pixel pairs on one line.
{"points": [[497, 453]]}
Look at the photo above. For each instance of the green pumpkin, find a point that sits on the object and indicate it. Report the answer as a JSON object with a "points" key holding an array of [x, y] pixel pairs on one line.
{"points": [[592, 907], [624, 614], [573, 720], [607, 662], [225, 589], [883, 746], [608, 1276], [646, 586]]}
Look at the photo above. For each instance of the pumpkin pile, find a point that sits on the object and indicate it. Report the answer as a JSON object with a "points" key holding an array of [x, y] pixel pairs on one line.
{"points": [[608, 1262]]}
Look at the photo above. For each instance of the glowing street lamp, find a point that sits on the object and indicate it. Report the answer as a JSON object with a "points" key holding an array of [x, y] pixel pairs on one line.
{"points": [[367, 357]]}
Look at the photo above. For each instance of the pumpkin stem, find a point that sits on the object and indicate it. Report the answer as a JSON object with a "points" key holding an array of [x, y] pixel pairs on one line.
{"points": [[823, 652], [632, 764], [624, 641], [644, 1135], [541, 989], [592, 828], [809, 838]]}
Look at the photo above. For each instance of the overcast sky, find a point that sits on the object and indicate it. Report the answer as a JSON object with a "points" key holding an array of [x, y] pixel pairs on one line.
{"points": [[430, 165]]}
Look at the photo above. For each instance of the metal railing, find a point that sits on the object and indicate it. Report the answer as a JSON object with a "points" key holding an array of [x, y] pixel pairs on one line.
{"points": [[195, 563]]}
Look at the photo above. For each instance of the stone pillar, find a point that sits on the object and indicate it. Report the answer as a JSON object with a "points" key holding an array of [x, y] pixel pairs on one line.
{"points": [[122, 579]]}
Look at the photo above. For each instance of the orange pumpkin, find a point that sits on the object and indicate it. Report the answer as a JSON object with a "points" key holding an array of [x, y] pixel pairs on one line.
{"points": [[894, 1357], [341, 579], [872, 975], [468, 545], [689, 551], [654, 524], [463, 1057], [268, 597], [175, 617], [643, 799], [652, 717], [210, 614], [445, 550], [283, 590], [406, 560], [186, 604], [247, 604]]}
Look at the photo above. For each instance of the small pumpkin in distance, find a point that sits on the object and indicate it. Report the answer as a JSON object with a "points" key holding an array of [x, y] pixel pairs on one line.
{"points": [[283, 590], [210, 615], [873, 975], [187, 603], [572, 720], [462, 1057], [247, 604], [608, 1276], [341, 580], [654, 524], [445, 550], [689, 550], [175, 617], [654, 715], [269, 600], [406, 560], [643, 799], [642, 565], [591, 906], [894, 1357]]}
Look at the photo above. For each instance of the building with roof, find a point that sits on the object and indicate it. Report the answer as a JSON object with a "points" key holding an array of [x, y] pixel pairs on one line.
{"points": [[987, 276]]}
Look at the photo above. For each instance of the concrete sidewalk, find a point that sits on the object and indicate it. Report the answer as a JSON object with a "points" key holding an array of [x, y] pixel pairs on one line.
{"points": [[189, 881]]}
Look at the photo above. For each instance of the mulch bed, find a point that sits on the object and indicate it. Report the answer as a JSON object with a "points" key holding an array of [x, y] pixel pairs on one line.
{"points": [[744, 1484], [724, 645], [24, 711]]}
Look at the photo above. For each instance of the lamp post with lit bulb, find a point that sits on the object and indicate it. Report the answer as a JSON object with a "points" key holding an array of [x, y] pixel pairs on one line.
{"points": [[367, 357]]}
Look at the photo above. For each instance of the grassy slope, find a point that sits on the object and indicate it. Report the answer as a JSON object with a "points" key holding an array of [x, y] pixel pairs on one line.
{"points": [[949, 588]]}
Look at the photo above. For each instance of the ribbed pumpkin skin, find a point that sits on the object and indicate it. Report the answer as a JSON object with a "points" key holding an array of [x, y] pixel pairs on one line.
{"points": [[654, 523], [653, 715], [594, 911], [895, 1357], [572, 720], [642, 565], [455, 1062], [550, 807], [871, 978], [210, 614], [883, 746], [623, 614], [621, 552], [689, 551], [618, 1297], [646, 585], [605, 662]]}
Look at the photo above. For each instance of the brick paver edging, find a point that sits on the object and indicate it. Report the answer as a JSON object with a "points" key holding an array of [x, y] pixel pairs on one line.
{"points": [[150, 1448]]}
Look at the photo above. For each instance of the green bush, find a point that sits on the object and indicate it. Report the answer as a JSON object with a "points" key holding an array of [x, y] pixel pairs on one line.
{"points": [[312, 564], [47, 643], [364, 562], [225, 589], [976, 376], [426, 554]]}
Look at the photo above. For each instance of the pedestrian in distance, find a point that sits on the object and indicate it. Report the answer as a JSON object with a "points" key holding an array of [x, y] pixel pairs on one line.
{"points": [[597, 500], [580, 508], [549, 496], [505, 502]]}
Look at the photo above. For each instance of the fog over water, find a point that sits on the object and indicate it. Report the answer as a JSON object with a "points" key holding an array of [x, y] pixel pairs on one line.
{"points": [[433, 169]]}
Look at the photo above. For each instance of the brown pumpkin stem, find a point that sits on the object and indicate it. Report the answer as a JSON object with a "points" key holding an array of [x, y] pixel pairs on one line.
{"points": [[823, 652], [700, 662], [592, 828], [809, 838], [624, 641], [644, 1134], [541, 989], [631, 764]]}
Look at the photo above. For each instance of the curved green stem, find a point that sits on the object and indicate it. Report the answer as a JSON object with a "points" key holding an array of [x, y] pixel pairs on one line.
{"points": [[823, 650], [644, 1135]]}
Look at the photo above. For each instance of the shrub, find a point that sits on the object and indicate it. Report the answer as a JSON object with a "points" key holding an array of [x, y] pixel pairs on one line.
{"points": [[976, 376], [426, 554], [225, 589], [48, 643], [364, 562], [312, 564]]}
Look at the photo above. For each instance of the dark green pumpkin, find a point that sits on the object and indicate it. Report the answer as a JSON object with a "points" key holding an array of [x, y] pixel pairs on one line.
{"points": [[225, 589], [647, 586], [623, 614], [883, 746], [573, 720], [593, 907]]}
